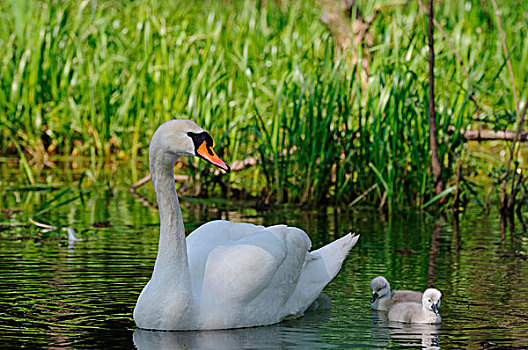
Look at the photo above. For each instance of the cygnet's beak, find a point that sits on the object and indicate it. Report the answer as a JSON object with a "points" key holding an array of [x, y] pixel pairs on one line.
{"points": [[374, 297], [435, 308]]}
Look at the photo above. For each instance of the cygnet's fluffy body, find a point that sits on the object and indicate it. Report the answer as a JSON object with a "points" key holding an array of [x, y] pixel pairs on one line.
{"points": [[383, 298], [427, 312]]}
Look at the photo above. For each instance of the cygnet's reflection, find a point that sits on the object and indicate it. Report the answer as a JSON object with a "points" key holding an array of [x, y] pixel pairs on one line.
{"points": [[379, 331], [425, 336], [301, 333]]}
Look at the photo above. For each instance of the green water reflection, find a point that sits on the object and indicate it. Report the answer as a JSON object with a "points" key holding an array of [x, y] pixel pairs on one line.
{"points": [[56, 294]]}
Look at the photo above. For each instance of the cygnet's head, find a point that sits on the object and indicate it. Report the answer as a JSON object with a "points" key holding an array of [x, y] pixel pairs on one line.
{"points": [[431, 299], [380, 288], [182, 137]]}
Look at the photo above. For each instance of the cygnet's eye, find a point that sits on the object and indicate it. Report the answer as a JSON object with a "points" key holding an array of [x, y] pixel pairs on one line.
{"points": [[379, 289]]}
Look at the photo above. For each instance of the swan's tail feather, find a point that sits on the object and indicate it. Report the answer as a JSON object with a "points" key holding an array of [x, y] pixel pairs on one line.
{"points": [[334, 253], [320, 267]]}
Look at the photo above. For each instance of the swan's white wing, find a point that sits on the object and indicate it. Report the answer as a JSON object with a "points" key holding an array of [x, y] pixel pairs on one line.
{"points": [[247, 275], [208, 237], [250, 279]]}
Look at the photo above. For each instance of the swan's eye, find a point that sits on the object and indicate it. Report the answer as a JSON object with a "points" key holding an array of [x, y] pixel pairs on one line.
{"points": [[429, 300]]}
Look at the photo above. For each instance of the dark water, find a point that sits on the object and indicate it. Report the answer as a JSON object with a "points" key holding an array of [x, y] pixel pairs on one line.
{"points": [[55, 294]]}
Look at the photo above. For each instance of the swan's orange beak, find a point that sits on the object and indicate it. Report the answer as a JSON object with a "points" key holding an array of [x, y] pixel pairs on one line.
{"points": [[209, 155]]}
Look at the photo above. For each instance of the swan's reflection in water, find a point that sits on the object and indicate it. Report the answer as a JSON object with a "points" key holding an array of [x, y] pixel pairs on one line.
{"points": [[425, 336], [301, 333]]}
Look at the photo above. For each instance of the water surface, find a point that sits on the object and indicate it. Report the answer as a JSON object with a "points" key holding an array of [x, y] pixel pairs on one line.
{"points": [[59, 294]]}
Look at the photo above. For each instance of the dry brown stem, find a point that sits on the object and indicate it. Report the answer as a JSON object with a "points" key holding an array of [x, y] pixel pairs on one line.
{"points": [[504, 203], [433, 133], [457, 56]]}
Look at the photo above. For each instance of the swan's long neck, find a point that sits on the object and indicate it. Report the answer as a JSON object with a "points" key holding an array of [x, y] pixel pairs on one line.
{"points": [[172, 264]]}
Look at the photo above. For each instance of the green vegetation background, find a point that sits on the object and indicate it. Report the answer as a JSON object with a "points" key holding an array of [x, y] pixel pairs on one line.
{"points": [[93, 79]]}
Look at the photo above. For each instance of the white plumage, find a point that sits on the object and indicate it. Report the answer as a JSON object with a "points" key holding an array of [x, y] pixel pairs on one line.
{"points": [[427, 312]]}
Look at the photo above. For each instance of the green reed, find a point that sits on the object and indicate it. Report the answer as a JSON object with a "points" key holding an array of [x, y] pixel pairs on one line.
{"points": [[95, 78]]}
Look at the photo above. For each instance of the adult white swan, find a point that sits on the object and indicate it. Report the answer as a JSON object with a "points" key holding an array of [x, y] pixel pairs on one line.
{"points": [[225, 274]]}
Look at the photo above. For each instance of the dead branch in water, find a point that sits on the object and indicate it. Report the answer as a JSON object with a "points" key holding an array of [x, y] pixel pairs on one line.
{"points": [[490, 135], [141, 182], [237, 165]]}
